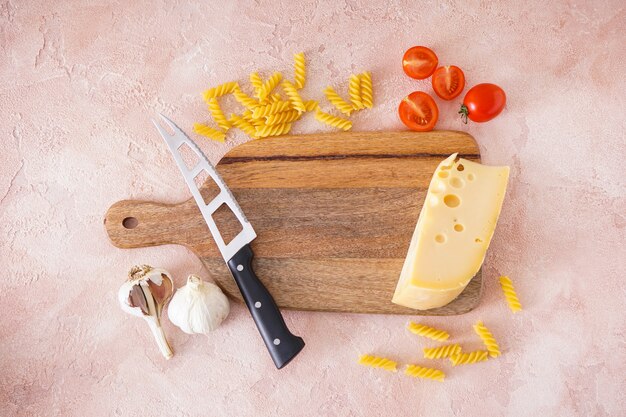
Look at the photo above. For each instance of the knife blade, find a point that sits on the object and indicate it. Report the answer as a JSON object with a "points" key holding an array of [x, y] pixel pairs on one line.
{"points": [[282, 345]]}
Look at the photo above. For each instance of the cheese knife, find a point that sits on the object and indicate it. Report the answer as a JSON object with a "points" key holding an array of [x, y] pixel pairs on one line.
{"points": [[282, 345]]}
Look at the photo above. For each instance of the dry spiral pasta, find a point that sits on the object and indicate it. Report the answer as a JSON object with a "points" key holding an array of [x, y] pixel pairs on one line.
{"points": [[440, 352], [272, 98], [333, 121], [336, 100], [257, 83], [282, 117], [367, 95], [269, 109], [427, 331], [470, 357], [247, 115], [311, 105], [243, 124], [424, 373], [244, 99], [209, 132], [294, 96], [269, 85], [488, 340], [220, 90], [510, 294], [299, 69], [354, 91], [273, 130], [218, 115], [268, 113], [378, 362]]}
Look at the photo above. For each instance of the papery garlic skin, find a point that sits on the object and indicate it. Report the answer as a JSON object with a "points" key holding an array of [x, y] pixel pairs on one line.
{"points": [[198, 306], [155, 288]]}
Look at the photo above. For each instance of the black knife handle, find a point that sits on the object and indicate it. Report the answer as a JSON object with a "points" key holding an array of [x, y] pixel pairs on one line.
{"points": [[281, 343]]}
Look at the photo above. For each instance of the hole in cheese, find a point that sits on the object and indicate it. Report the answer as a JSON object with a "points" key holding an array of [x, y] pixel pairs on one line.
{"points": [[451, 200], [457, 182], [478, 240], [470, 177], [458, 227], [460, 167], [437, 187], [443, 174], [440, 238]]}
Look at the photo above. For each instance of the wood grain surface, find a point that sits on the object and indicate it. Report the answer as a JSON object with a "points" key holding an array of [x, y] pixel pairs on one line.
{"points": [[334, 214]]}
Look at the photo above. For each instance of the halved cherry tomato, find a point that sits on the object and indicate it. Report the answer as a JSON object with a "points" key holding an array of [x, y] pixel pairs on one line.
{"points": [[482, 103], [419, 62], [418, 111], [448, 82]]}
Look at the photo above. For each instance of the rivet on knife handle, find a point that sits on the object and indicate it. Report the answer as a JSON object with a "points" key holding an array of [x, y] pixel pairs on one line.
{"points": [[281, 343]]}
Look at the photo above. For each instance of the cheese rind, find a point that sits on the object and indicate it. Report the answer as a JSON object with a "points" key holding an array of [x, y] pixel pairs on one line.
{"points": [[453, 232]]}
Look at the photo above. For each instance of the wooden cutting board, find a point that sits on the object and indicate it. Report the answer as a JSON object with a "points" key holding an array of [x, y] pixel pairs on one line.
{"points": [[334, 214]]}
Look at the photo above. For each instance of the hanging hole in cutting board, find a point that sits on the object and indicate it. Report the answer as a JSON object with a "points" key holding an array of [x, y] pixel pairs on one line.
{"points": [[208, 188], [130, 222], [227, 223], [190, 158]]}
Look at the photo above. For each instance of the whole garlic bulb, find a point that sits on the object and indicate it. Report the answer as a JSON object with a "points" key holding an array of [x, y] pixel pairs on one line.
{"points": [[198, 306]]}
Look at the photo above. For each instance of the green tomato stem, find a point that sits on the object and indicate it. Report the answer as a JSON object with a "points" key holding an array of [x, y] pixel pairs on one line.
{"points": [[464, 112]]}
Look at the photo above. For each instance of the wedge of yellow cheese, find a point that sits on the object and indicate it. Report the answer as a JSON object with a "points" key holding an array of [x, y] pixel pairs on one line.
{"points": [[453, 232]]}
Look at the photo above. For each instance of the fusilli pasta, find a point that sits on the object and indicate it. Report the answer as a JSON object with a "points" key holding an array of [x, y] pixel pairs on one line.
{"points": [[264, 131], [272, 98], [247, 115], [470, 357], [294, 96], [269, 85], [218, 115], [367, 94], [354, 91], [334, 121], [269, 109], [299, 69], [311, 105], [209, 132], [440, 352], [488, 340], [267, 113], [336, 100], [244, 99], [283, 117], [378, 362], [244, 125], [427, 331], [510, 294], [220, 90], [257, 83], [424, 373]]}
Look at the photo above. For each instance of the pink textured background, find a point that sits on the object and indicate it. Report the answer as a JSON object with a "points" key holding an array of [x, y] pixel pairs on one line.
{"points": [[78, 82]]}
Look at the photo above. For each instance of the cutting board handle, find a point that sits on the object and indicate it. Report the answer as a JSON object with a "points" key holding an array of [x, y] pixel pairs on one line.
{"points": [[136, 224]]}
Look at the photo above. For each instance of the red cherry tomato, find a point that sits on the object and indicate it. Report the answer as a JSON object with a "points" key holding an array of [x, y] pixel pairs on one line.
{"points": [[482, 103], [448, 82], [418, 111], [419, 62]]}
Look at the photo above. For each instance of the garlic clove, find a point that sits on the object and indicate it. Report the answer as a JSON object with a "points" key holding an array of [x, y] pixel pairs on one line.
{"points": [[137, 299], [144, 295]]}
